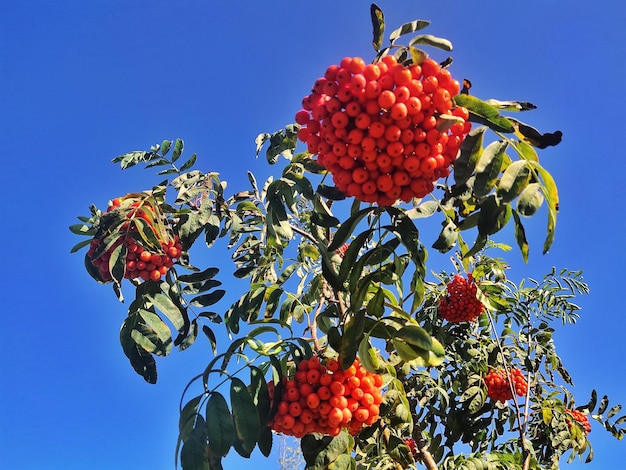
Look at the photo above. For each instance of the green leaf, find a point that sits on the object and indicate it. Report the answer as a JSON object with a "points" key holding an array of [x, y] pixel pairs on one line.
{"points": [[425, 209], [416, 336], [320, 451], [246, 417], [165, 147], [550, 192], [193, 455], [378, 26], [80, 245], [447, 238], [132, 158], [345, 230], [407, 28], [208, 332], [430, 40], [488, 167], [514, 180], [167, 306], [208, 299], [220, 427], [484, 113], [352, 334], [471, 150], [368, 356], [520, 236], [189, 163], [117, 263], [493, 216], [178, 150], [530, 200]]}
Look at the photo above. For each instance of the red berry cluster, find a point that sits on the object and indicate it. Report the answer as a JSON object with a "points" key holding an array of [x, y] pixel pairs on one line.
{"points": [[580, 418], [378, 127], [498, 387], [140, 263], [461, 303], [322, 398]]}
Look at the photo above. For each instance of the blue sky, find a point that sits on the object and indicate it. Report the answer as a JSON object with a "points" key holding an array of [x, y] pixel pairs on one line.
{"points": [[81, 82]]}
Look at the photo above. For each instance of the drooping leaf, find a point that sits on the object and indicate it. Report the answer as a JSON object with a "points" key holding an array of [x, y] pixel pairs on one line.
{"points": [[471, 150], [178, 150], [347, 228], [220, 427], [535, 138], [208, 299], [520, 236], [246, 418]]}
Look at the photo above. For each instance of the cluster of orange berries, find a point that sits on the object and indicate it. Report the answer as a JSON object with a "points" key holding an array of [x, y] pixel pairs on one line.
{"points": [[498, 387], [324, 399], [377, 128], [140, 262], [461, 303], [579, 417]]}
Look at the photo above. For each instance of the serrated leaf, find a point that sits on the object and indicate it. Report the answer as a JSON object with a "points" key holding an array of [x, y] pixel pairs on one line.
{"points": [[220, 427]]}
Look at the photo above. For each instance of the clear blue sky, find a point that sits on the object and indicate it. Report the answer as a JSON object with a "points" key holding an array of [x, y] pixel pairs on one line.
{"points": [[82, 81]]}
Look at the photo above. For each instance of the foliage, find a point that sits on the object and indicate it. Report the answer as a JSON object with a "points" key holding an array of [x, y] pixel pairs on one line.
{"points": [[332, 277]]}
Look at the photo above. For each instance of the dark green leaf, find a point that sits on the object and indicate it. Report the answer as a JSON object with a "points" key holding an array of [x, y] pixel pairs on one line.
{"points": [[352, 334], [198, 277], [178, 150], [189, 163], [165, 147], [535, 138], [220, 427], [520, 236], [493, 215], [471, 150], [320, 451], [80, 245], [211, 337], [193, 455], [208, 299], [330, 192], [488, 168], [378, 26], [345, 230], [246, 417]]}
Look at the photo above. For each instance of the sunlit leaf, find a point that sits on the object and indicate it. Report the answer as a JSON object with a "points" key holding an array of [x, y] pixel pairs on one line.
{"points": [[430, 40], [484, 113], [407, 28]]}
